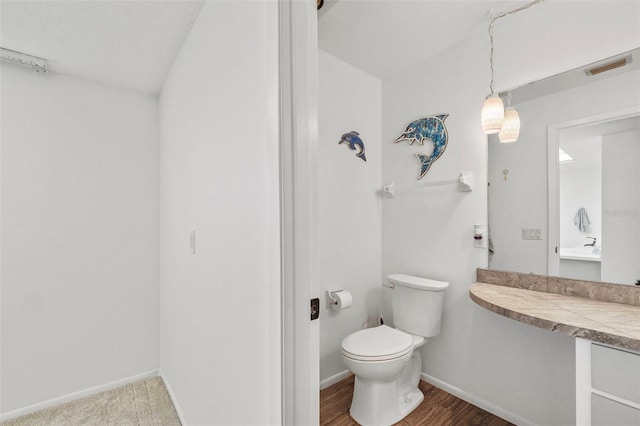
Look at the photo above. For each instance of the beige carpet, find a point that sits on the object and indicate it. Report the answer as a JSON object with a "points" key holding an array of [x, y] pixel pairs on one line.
{"points": [[143, 403]]}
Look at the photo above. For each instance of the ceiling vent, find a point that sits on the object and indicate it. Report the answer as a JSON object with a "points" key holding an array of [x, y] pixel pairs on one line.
{"points": [[609, 66]]}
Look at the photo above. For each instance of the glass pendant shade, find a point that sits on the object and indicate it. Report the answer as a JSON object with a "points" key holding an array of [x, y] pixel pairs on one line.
{"points": [[511, 126], [492, 115]]}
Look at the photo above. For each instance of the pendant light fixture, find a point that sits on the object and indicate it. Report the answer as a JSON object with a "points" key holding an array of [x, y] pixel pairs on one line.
{"points": [[511, 125], [492, 114], [494, 117], [493, 108]]}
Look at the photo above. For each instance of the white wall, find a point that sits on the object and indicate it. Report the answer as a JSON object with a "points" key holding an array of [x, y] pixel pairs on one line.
{"points": [[349, 229], [219, 308], [79, 235], [580, 188], [430, 234], [520, 372], [621, 207]]}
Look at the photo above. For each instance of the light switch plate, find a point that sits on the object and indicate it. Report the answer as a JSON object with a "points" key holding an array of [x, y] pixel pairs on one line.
{"points": [[192, 242], [531, 233]]}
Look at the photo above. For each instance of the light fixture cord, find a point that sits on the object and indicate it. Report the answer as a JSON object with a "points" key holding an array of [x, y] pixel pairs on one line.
{"points": [[493, 20]]}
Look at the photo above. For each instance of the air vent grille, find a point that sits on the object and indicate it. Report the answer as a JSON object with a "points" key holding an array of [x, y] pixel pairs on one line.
{"points": [[609, 66]]}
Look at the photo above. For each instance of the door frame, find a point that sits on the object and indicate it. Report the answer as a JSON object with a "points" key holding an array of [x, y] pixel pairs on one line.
{"points": [[553, 143], [298, 78]]}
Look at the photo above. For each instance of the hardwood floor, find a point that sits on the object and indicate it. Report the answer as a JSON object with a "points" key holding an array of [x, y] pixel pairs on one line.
{"points": [[438, 408]]}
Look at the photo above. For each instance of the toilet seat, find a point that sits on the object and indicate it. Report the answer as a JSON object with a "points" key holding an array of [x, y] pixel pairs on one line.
{"points": [[381, 343]]}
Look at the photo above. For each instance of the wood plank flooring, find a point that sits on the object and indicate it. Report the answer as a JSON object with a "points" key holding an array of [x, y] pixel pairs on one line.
{"points": [[438, 408]]}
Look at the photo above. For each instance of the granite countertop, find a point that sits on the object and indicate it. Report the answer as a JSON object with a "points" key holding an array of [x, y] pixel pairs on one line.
{"points": [[611, 323]]}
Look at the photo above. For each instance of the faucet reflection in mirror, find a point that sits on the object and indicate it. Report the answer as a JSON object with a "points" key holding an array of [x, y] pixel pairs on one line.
{"points": [[495, 118]]}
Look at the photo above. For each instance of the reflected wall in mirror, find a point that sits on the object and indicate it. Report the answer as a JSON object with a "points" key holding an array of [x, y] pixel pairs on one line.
{"points": [[599, 201], [587, 209]]}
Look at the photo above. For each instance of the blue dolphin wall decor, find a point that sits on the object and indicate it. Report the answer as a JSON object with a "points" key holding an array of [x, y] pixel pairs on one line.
{"points": [[431, 128], [353, 139]]}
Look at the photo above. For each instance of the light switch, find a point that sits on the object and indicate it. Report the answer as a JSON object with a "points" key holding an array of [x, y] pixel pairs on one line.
{"points": [[531, 233], [192, 242]]}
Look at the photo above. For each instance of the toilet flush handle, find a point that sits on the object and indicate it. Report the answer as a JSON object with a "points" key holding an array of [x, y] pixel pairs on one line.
{"points": [[389, 285]]}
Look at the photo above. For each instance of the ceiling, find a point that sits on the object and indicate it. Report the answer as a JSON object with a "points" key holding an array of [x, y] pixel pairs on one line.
{"points": [[383, 37], [574, 78], [584, 143], [128, 44], [132, 44]]}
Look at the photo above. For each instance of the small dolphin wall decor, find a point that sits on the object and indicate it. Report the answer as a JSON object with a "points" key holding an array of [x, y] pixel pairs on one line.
{"points": [[431, 128], [353, 139]]}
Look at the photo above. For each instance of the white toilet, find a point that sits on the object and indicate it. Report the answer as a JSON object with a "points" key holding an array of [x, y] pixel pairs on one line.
{"points": [[383, 359]]}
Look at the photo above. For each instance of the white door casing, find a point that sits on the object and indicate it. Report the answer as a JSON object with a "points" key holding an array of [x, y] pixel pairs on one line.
{"points": [[298, 183]]}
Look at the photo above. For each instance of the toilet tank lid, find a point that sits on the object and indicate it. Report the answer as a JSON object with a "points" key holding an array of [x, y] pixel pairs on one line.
{"points": [[417, 282]]}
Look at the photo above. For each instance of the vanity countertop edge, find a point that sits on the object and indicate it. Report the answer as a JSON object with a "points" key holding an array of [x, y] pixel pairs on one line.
{"points": [[586, 316]]}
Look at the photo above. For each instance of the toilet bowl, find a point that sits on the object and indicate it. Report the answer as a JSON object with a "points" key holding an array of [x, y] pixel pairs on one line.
{"points": [[387, 371], [385, 361]]}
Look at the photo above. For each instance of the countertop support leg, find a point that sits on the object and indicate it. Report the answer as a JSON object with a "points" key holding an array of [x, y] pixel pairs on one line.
{"points": [[583, 382]]}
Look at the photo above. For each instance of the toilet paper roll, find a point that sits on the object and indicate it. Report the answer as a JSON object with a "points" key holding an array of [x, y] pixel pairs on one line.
{"points": [[343, 300]]}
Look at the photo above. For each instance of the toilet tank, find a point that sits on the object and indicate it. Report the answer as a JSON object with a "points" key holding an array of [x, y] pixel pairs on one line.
{"points": [[417, 304]]}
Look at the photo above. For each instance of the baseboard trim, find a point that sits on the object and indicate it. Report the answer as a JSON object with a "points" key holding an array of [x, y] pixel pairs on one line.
{"points": [[478, 402], [173, 398], [75, 395], [334, 379]]}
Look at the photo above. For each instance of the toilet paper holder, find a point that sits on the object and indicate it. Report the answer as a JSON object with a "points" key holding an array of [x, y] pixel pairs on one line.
{"points": [[331, 300], [339, 300]]}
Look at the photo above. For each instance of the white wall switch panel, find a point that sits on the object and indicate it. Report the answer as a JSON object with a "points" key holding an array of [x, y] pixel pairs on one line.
{"points": [[531, 234], [192, 242]]}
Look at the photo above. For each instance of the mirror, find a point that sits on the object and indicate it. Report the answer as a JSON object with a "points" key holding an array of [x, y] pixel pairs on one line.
{"points": [[579, 218], [599, 195]]}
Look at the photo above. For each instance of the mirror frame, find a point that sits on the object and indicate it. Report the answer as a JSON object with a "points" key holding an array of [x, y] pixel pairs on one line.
{"points": [[553, 169]]}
